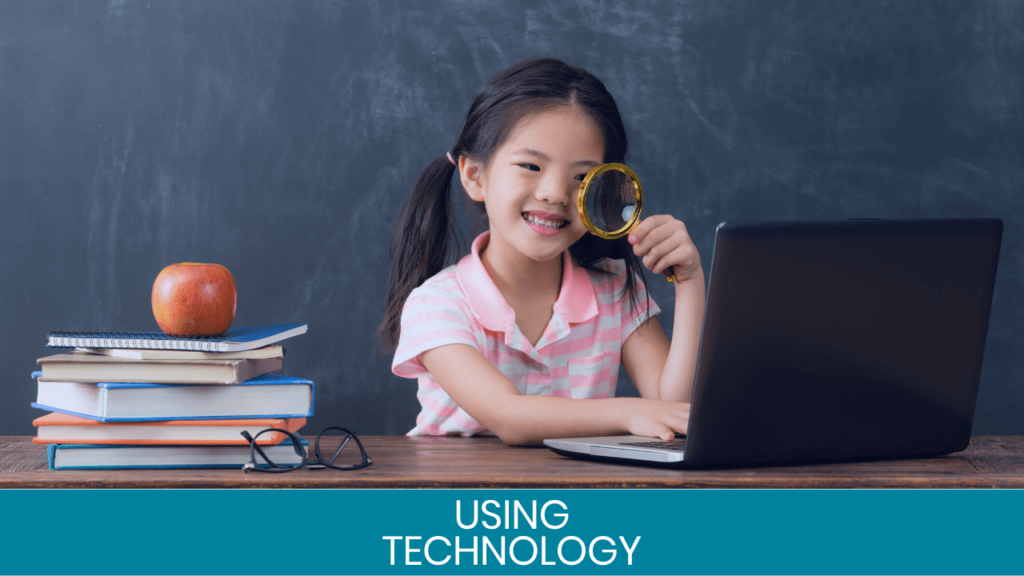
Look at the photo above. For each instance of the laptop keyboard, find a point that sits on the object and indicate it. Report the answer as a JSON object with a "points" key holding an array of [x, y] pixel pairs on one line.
{"points": [[677, 444]]}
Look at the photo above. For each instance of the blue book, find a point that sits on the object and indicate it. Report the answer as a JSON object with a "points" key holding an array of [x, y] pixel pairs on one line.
{"points": [[267, 396], [234, 340], [95, 457]]}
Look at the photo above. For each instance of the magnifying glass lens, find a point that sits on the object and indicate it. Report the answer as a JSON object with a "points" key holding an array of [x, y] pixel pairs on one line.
{"points": [[611, 201]]}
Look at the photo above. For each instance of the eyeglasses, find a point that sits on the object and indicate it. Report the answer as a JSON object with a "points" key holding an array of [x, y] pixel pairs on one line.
{"points": [[265, 464]]}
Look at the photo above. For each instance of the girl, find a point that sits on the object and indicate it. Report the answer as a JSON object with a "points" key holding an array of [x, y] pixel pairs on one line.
{"points": [[523, 337]]}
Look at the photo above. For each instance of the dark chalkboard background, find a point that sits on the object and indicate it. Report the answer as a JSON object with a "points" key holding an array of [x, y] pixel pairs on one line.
{"points": [[278, 139]]}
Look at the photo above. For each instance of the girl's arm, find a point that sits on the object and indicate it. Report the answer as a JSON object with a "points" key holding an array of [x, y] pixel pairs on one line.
{"points": [[661, 370], [493, 400]]}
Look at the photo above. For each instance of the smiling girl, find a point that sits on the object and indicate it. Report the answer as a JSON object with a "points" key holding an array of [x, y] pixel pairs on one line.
{"points": [[523, 337]]}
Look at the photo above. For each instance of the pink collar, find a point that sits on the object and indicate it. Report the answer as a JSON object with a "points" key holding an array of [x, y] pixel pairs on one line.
{"points": [[576, 302]]}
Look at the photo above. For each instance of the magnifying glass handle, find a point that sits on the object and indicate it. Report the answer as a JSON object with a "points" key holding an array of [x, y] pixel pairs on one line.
{"points": [[669, 275]]}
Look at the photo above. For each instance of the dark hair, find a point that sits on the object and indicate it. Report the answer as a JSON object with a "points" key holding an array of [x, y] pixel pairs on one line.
{"points": [[421, 241]]}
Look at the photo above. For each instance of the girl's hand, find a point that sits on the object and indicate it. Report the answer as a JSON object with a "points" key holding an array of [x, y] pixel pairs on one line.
{"points": [[663, 243], [659, 419]]}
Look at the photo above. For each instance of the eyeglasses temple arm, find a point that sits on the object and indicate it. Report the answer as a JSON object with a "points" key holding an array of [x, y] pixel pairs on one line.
{"points": [[340, 448]]}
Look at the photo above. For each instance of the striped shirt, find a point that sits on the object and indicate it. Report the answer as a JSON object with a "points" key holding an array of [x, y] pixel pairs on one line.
{"points": [[576, 357]]}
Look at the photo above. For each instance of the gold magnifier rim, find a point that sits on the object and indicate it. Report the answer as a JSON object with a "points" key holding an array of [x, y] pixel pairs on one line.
{"points": [[581, 200]]}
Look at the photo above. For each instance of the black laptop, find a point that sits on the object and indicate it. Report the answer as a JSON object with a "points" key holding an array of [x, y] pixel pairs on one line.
{"points": [[833, 340]]}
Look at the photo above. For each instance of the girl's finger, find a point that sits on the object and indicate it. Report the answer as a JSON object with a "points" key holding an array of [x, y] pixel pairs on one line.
{"points": [[656, 252], [676, 427], [676, 238], [645, 226], [681, 255], [678, 420], [653, 238], [651, 262], [667, 229]]}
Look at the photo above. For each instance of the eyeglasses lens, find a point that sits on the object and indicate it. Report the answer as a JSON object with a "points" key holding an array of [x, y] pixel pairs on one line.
{"points": [[338, 449], [278, 458]]}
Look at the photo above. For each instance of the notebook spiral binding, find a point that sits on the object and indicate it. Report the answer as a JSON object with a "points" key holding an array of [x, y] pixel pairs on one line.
{"points": [[138, 340]]}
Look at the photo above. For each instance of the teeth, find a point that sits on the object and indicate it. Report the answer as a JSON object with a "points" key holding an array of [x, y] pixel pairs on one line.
{"points": [[545, 223]]}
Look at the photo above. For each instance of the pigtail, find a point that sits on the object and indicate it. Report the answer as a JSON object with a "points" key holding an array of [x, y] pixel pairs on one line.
{"points": [[421, 243]]}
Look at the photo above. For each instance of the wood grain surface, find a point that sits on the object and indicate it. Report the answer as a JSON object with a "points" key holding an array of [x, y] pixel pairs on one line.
{"points": [[452, 462]]}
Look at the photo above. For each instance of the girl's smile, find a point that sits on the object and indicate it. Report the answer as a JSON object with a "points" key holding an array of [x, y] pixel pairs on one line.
{"points": [[544, 223]]}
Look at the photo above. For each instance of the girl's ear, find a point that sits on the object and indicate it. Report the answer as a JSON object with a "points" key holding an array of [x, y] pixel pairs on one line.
{"points": [[472, 175]]}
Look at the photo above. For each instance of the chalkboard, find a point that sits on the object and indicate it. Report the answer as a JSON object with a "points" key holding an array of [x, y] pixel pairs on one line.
{"points": [[279, 138]]}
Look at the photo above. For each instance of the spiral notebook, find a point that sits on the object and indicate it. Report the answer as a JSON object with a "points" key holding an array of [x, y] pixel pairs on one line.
{"points": [[234, 340]]}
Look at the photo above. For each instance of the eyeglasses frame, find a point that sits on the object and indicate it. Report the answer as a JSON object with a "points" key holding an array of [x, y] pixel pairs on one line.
{"points": [[296, 438]]}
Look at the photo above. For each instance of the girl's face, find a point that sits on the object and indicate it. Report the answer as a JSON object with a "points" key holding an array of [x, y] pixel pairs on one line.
{"points": [[529, 188]]}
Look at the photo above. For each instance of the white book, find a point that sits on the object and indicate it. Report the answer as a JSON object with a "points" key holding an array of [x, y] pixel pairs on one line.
{"points": [[82, 456], [84, 367], [268, 396]]}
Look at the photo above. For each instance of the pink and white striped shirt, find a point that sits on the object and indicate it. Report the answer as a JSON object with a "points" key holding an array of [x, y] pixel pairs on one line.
{"points": [[576, 357]]}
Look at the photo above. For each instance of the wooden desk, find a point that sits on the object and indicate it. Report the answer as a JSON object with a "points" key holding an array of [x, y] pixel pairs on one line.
{"points": [[400, 462]]}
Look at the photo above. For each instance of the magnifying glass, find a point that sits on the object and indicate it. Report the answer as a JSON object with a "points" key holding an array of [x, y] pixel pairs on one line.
{"points": [[610, 202]]}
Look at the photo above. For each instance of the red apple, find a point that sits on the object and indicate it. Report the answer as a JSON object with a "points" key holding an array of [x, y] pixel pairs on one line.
{"points": [[192, 299]]}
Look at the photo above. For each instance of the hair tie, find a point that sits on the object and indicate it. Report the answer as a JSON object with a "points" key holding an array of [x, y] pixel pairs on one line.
{"points": [[452, 160]]}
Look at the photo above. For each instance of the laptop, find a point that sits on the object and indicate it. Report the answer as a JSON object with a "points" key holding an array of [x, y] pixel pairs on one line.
{"points": [[832, 340]]}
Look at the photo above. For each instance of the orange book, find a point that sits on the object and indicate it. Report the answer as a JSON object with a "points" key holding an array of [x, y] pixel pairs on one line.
{"points": [[57, 428]]}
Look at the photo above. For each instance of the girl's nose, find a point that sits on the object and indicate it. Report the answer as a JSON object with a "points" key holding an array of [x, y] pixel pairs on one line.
{"points": [[556, 191]]}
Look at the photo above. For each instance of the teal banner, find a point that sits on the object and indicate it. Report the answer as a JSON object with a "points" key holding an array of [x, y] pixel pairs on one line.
{"points": [[511, 532]]}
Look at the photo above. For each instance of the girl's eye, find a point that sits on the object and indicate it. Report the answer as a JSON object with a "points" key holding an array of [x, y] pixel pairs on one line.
{"points": [[580, 177], [531, 167]]}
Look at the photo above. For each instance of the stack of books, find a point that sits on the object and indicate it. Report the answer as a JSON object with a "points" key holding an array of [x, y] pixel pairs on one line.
{"points": [[148, 400]]}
